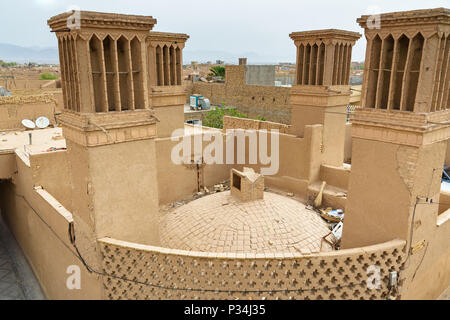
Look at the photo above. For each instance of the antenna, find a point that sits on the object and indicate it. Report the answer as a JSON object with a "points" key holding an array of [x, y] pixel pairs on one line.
{"points": [[42, 123], [28, 124]]}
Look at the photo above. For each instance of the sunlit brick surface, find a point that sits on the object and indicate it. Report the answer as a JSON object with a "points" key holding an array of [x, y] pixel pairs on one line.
{"points": [[220, 223]]}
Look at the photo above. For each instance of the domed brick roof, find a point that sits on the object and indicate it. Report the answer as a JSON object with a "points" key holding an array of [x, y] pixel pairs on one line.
{"points": [[221, 223]]}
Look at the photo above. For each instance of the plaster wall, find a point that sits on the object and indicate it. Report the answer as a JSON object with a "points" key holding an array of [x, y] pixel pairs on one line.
{"points": [[369, 218], [175, 181], [263, 75], [250, 124], [170, 119], [7, 164], [124, 190], [399, 200], [18, 84], [335, 176], [300, 160], [48, 252], [11, 115], [51, 171]]}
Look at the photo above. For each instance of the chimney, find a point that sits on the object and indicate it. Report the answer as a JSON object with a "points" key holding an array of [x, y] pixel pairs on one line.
{"points": [[247, 185]]}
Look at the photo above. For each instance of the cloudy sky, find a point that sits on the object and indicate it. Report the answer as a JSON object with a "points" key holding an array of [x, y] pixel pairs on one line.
{"points": [[236, 26]]}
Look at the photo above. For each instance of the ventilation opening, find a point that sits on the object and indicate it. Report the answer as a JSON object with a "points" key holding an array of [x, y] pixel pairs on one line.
{"points": [[179, 65], [110, 58], [95, 48], [237, 181], [413, 72], [400, 62], [336, 64], [123, 52], [441, 97], [159, 66], [300, 65], [307, 64], [385, 73], [314, 54], [166, 66], [373, 72], [138, 79], [321, 65]]}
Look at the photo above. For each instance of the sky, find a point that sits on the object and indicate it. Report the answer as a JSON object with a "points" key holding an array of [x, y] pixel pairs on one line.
{"points": [[236, 26]]}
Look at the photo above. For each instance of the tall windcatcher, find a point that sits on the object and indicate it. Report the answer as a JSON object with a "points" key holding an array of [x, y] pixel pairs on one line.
{"points": [[322, 91], [117, 76]]}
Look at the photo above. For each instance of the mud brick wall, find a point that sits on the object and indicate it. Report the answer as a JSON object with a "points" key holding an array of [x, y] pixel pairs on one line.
{"points": [[273, 103]]}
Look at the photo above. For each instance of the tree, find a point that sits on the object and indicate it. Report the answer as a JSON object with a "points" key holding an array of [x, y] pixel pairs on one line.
{"points": [[47, 76], [218, 71], [214, 118]]}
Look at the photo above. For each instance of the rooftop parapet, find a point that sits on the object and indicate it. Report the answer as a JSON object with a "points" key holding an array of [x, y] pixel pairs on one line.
{"points": [[324, 56], [100, 20], [407, 60]]}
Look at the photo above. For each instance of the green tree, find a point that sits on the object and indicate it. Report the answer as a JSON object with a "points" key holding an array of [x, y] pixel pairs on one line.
{"points": [[47, 76], [7, 64], [214, 118], [218, 71]]}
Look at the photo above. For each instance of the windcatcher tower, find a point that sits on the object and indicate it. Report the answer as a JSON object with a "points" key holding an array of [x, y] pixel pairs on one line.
{"points": [[322, 91], [109, 75], [400, 136]]}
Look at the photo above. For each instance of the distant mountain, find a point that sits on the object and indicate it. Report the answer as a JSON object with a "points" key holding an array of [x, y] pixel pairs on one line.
{"points": [[13, 53], [203, 56]]}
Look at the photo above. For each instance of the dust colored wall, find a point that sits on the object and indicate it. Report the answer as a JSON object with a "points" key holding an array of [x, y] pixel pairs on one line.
{"points": [[250, 124], [300, 160], [7, 164], [335, 176], [19, 84], [14, 109], [299, 165], [271, 102], [118, 183], [170, 119], [178, 181], [48, 251], [396, 173], [51, 171], [447, 155], [339, 275], [263, 75]]}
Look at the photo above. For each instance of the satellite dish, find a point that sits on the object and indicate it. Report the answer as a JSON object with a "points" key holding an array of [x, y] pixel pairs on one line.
{"points": [[42, 122], [28, 124]]}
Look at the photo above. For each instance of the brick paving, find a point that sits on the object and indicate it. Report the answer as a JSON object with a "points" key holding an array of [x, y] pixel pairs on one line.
{"points": [[220, 223]]}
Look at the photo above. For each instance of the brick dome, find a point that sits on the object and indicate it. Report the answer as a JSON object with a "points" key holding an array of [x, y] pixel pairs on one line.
{"points": [[221, 223]]}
